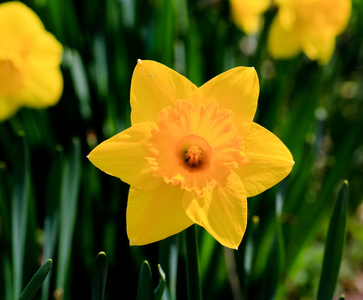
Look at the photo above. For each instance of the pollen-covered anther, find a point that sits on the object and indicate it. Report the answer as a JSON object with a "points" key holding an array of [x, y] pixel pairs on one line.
{"points": [[193, 157]]}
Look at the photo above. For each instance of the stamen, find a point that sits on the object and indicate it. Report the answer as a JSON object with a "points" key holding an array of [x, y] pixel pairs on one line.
{"points": [[193, 157]]}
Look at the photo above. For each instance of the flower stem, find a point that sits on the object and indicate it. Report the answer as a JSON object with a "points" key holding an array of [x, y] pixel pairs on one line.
{"points": [[193, 267]]}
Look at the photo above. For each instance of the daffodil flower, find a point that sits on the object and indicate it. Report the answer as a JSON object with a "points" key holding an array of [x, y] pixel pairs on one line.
{"points": [[246, 14], [192, 155], [29, 61], [310, 26]]}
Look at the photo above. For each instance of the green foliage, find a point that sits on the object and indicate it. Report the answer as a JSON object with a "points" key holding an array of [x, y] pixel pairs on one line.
{"points": [[334, 245], [55, 204], [145, 288], [19, 209], [99, 277], [159, 290], [36, 282], [192, 263]]}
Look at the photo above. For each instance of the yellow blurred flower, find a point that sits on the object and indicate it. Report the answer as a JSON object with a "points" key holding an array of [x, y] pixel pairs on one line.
{"points": [[310, 26], [192, 155], [247, 13], [29, 61]]}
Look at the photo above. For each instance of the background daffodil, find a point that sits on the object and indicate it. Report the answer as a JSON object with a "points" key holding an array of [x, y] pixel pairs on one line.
{"points": [[192, 155], [310, 26], [29, 61], [247, 14]]}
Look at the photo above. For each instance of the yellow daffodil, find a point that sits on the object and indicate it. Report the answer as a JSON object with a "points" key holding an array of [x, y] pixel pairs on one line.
{"points": [[29, 61], [310, 26], [247, 14], [192, 155]]}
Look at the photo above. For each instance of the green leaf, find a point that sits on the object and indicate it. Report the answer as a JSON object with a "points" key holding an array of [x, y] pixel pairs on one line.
{"points": [[8, 284], [36, 282], [162, 45], [193, 265], [276, 257], [168, 257], [159, 291], [19, 212], [51, 221], [79, 78], [99, 277], [145, 289], [68, 210], [334, 245]]}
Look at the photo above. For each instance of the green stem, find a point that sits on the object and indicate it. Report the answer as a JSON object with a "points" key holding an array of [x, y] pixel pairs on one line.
{"points": [[193, 266]]}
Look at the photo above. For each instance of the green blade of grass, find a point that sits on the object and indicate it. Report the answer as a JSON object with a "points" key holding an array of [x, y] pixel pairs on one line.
{"points": [[36, 281], [68, 209], [8, 284], [276, 259], [99, 277], [193, 264], [19, 213], [168, 257], [159, 291], [73, 60], [334, 245], [145, 289], [51, 222], [162, 45]]}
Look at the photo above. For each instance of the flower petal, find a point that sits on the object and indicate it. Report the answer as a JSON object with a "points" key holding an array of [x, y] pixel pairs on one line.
{"points": [[18, 22], [319, 47], [269, 161], [153, 87], [155, 214], [35, 52], [223, 212], [124, 156], [247, 14], [44, 84], [236, 89], [8, 107], [43, 88], [283, 43]]}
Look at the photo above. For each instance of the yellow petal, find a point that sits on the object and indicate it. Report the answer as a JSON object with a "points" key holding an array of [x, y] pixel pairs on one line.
{"points": [[43, 88], [33, 53], [18, 23], [7, 108], [341, 15], [269, 161], [44, 84], [223, 212], [236, 89], [283, 43], [247, 14], [325, 16], [153, 87], [319, 48], [250, 23], [124, 156], [155, 214]]}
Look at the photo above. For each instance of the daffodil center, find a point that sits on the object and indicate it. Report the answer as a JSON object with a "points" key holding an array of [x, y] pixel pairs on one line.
{"points": [[193, 153], [195, 145], [193, 157]]}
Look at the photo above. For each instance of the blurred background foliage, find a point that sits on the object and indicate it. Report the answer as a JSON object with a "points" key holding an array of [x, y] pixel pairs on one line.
{"points": [[56, 205]]}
